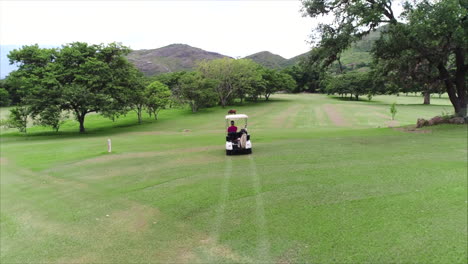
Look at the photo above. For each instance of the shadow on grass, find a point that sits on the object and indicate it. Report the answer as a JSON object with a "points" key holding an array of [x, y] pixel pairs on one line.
{"points": [[120, 126], [260, 102], [378, 102], [90, 132], [349, 99]]}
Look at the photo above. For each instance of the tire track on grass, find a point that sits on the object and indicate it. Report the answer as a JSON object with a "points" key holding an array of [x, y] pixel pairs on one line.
{"points": [[215, 232], [263, 246]]}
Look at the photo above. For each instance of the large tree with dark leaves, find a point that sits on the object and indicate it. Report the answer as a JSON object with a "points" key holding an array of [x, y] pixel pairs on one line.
{"points": [[351, 21], [79, 77], [429, 47]]}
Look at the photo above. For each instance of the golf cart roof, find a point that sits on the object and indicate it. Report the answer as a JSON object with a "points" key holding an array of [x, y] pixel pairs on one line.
{"points": [[236, 117]]}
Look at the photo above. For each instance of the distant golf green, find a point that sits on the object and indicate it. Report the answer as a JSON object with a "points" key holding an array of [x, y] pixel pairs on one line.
{"points": [[328, 181]]}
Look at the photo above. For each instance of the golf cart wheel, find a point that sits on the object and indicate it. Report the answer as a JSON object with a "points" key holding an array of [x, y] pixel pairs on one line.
{"points": [[249, 151], [228, 152]]}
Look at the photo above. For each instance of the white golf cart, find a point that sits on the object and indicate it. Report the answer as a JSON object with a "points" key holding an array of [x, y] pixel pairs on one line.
{"points": [[238, 142]]}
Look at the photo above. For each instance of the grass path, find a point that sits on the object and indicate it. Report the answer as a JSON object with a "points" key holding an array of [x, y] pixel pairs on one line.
{"points": [[312, 191]]}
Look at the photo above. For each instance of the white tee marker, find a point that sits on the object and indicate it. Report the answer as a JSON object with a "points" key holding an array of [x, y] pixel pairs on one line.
{"points": [[109, 145]]}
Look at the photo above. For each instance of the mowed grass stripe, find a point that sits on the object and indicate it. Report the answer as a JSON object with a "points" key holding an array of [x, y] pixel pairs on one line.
{"points": [[224, 193], [263, 244]]}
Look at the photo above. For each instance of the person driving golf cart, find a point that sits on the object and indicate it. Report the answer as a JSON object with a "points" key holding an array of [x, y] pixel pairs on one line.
{"points": [[237, 142], [232, 128]]}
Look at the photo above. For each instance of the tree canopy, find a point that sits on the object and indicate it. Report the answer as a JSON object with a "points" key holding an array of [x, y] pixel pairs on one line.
{"points": [[78, 77], [233, 77], [426, 48]]}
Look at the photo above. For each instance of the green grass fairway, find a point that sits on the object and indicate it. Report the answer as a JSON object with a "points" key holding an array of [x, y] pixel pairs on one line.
{"points": [[328, 182]]}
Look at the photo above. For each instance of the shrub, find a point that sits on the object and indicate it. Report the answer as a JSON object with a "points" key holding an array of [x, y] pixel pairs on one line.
{"points": [[18, 118], [393, 110]]}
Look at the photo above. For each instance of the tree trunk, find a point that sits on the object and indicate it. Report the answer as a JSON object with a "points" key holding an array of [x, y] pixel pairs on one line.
{"points": [[194, 107], [223, 102], [139, 110], [341, 66], [445, 77], [267, 96], [357, 97], [460, 81], [427, 98], [81, 120]]}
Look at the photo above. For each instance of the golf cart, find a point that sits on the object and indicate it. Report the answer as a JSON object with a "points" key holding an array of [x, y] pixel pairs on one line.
{"points": [[238, 142]]}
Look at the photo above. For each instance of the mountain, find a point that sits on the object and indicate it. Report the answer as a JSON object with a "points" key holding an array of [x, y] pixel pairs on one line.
{"points": [[295, 60], [178, 57], [358, 56], [268, 59], [274, 61], [175, 57]]}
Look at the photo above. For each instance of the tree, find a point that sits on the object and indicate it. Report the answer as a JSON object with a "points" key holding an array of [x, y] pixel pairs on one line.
{"points": [[352, 21], [393, 110], [51, 116], [277, 81], [196, 90], [27, 80], [13, 87], [433, 42], [19, 118], [135, 96], [4, 97], [308, 77], [157, 97], [171, 79], [354, 83], [79, 77], [433, 36], [233, 77], [248, 79]]}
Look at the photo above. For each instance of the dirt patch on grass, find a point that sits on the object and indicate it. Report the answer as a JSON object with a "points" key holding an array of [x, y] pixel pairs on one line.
{"points": [[85, 259], [3, 161], [382, 116], [412, 129], [335, 116], [287, 257], [135, 219], [216, 251], [392, 123], [285, 118]]}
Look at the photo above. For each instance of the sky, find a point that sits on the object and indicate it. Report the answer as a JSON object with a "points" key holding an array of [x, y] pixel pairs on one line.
{"points": [[234, 28]]}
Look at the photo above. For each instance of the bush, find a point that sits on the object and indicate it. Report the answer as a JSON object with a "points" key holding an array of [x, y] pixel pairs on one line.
{"points": [[18, 118], [52, 117]]}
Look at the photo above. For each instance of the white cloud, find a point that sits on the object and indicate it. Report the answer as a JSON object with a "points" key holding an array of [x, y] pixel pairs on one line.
{"points": [[234, 28]]}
